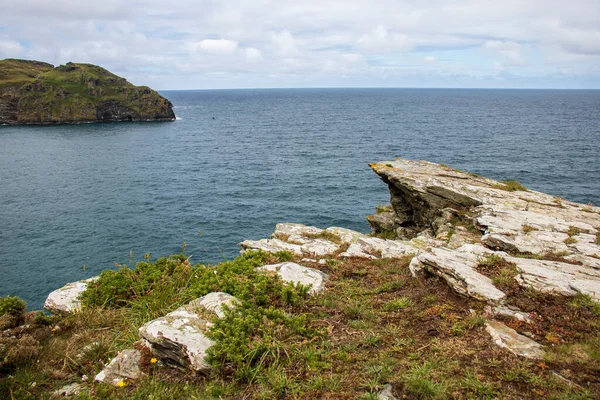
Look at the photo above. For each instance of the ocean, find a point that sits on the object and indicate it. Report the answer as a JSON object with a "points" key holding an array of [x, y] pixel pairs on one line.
{"points": [[76, 199]]}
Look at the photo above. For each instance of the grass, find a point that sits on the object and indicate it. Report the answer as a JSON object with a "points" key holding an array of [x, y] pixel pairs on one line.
{"points": [[372, 326], [528, 228], [511, 186]]}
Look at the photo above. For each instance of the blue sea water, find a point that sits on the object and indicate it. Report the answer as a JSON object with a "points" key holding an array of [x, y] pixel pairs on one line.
{"points": [[74, 199]]}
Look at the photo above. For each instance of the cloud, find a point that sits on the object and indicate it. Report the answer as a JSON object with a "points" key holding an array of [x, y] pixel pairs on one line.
{"points": [[253, 54], [284, 43], [223, 46], [10, 48], [312, 43], [380, 40], [509, 51]]}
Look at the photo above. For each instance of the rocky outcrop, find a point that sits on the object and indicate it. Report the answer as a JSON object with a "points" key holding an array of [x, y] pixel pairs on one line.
{"points": [[179, 337], [66, 299], [32, 92], [542, 235]]}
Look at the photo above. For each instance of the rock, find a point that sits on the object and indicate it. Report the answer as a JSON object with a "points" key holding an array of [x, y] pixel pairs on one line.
{"points": [[508, 338], [557, 277], [283, 231], [319, 248], [345, 236], [509, 312], [383, 222], [457, 268], [298, 274], [179, 337], [271, 246], [66, 299], [355, 250], [126, 365], [386, 393], [69, 390], [37, 93], [383, 248], [537, 242]]}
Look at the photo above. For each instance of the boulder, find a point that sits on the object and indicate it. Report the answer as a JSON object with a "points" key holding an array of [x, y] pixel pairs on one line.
{"points": [[126, 365], [298, 274], [179, 337], [66, 299], [457, 268], [509, 339]]}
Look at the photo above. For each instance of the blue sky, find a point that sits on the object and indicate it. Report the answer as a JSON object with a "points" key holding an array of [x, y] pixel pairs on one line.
{"points": [[348, 43]]}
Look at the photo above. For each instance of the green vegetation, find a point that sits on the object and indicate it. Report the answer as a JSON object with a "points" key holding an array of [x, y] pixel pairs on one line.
{"points": [[528, 228], [374, 324], [511, 186], [380, 209], [32, 92], [12, 306]]}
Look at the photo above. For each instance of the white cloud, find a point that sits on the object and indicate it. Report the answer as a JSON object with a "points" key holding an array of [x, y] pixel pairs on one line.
{"points": [[10, 48], [253, 54], [236, 41], [382, 40], [216, 46], [510, 51], [285, 44]]}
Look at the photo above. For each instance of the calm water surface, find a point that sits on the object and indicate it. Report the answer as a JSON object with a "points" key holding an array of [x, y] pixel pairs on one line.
{"points": [[76, 199]]}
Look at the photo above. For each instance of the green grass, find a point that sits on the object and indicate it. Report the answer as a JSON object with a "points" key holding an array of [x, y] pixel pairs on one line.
{"points": [[511, 186]]}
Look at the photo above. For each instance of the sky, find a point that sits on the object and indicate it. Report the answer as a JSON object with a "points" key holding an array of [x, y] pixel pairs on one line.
{"points": [[227, 44]]}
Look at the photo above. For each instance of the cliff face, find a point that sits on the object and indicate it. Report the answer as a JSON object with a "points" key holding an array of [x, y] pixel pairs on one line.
{"points": [[32, 92]]}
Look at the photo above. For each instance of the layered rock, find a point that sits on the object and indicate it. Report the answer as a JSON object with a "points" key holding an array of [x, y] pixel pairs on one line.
{"points": [[125, 366], [32, 92], [66, 299], [179, 337]]}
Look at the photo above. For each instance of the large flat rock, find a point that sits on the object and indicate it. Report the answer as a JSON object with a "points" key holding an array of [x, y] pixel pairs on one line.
{"points": [[298, 274], [66, 299], [179, 337], [457, 268]]}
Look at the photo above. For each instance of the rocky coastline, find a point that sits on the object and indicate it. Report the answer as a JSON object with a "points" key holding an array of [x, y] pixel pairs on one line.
{"points": [[37, 93], [459, 267]]}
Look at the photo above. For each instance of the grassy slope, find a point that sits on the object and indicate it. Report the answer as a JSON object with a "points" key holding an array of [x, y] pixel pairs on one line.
{"points": [[75, 93], [373, 325], [19, 72]]}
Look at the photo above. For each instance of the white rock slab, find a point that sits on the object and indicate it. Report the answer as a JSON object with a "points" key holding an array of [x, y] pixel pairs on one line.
{"points": [[457, 268], [296, 273], [557, 277], [287, 229], [383, 248], [345, 236], [180, 335], [126, 365], [319, 248], [66, 299], [509, 339], [509, 312], [271, 246], [536, 242], [355, 250]]}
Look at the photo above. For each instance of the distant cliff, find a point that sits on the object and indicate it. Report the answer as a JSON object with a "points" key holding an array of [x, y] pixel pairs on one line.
{"points": [[34, 92]]}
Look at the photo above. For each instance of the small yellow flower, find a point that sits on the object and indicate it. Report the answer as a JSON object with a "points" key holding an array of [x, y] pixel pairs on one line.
{"points": [[122, 383], [153, 360]]}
